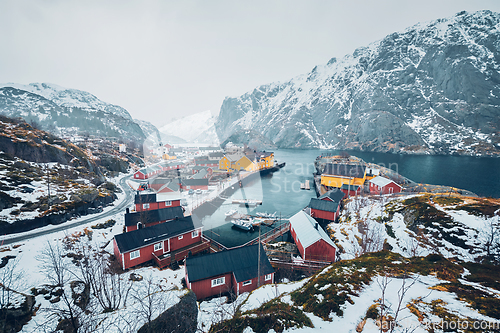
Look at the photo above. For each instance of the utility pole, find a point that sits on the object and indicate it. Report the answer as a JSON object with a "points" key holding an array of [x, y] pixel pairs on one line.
{"points": [[48, 185], [258, 263]]}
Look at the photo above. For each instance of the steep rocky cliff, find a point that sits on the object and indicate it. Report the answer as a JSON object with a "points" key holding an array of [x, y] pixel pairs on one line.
{"points": [[433, 88]]}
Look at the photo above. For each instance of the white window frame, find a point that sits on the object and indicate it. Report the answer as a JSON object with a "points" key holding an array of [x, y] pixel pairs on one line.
{"points": [[246, 283], [268, 277], [168, 203], [158, 246], [180, 237], [145, 206], [135, 254], [195, 234], [219, 281]]}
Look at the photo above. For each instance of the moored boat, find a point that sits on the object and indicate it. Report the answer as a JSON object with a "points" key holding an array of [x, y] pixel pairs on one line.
{"points": [[241, 224]]}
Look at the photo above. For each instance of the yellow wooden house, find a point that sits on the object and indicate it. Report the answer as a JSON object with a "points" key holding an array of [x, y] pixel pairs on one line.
{"points": [[338, 174], [229, 162], [244, 163], [265, 160], [168, 157]]}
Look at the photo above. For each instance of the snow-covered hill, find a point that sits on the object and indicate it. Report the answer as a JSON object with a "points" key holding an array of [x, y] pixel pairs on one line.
{"points": [[66, 112], [196, 128], [433, 88], [411, 262], [70, 98]]}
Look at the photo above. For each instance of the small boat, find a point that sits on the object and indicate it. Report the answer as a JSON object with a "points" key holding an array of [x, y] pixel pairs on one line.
{"points": [[241, 224], [267, 215], [305, 186], [230, 212], [247, 202]]}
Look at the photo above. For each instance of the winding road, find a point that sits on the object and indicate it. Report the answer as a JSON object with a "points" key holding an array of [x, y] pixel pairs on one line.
{"points": [[127, 200]]}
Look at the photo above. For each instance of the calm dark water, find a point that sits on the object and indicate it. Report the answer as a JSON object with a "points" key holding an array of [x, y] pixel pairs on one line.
{"points": [[281, 193]]}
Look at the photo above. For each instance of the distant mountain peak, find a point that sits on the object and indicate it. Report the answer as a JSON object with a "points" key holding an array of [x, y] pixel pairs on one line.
{"points": [[195, 128]]}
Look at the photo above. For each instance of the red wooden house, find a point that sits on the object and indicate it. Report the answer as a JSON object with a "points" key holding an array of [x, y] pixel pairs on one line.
{"points": [[163, 243], [324, 209], [152, 201], [198, 169], [334, 195], [312, 241], [233, 271], [165, 185], [194, 184], [350, 190], [148, 172], [207, 163], [148, 218], [382, 185], [173, 165]]}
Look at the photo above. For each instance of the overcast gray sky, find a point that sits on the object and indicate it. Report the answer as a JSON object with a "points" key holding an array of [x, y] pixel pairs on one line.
{"points": [[162, 59]]}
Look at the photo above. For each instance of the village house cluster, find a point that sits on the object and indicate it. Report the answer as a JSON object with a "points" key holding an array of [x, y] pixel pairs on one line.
{"points": [[340, 177], [160, 230]]}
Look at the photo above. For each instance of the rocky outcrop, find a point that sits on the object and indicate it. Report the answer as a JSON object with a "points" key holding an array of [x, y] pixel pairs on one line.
{"points": [[432, 89], [181, 318], [59, 213]]}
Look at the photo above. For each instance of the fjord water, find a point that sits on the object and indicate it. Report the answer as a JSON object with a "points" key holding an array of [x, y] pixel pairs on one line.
{"points": [[280, 192]]}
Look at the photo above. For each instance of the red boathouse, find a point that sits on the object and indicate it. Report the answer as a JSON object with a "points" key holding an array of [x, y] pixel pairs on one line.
{"points": [[233, 271], [312, 241]]}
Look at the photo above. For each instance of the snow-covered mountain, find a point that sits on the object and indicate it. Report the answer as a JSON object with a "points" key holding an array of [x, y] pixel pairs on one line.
{"points": [[433, 88], [70, 98], [150, 131], [67, 111], [196, 128]]}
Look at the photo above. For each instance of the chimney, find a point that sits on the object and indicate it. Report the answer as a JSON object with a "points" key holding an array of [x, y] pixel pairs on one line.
{"points": [[127, 210]]}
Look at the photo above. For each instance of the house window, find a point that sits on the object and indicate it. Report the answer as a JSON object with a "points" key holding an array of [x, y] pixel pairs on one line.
{"points": [[268, 277], [158, 246], [180, 237], [218, 282], [145, 206], [246, 283], [168, 203], [135, 254], [194, 234]]}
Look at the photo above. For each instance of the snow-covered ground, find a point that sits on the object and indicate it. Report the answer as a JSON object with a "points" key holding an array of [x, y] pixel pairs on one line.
{"points": [[29, 261]]}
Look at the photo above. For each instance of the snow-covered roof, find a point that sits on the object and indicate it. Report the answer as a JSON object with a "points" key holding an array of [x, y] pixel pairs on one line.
{"points": [[306, 232], [382, 181]]}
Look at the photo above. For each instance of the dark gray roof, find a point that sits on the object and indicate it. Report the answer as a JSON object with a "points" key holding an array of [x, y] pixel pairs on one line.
{"points": [[199, 167], [263, 154], [145, 198], [345, 170], [136, 239], [243, 262], [207, 162], [208, 148], [334, 195], [350, 187], [171, 183], [195, 182], [324, 205], [156, 215], [216, 154]]}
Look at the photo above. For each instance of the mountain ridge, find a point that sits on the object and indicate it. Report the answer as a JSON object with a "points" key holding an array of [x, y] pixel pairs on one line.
{"points": [[431, 89], [67, 112]]}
